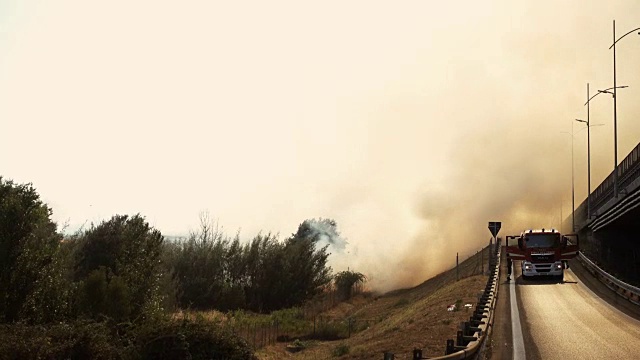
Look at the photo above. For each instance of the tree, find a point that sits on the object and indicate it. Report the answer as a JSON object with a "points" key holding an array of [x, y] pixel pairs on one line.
{"points": [[265, 274], [199, 267], [306, 272], [345, 281], [29, 270], [322, 232], [118, 262]]}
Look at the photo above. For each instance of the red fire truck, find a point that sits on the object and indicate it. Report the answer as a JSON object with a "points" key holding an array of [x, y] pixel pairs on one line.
{"points": [[542, 252]]}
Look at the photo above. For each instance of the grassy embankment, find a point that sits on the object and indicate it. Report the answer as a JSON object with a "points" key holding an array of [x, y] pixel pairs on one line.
{"points": [[369, 324]]}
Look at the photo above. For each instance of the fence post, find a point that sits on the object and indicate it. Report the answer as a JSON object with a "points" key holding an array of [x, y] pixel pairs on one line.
{"points": [[389, 355], [255, 333], [457, 271]]}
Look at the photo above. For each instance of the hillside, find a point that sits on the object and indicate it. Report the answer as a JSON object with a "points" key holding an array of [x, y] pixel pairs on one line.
{"points": [[400, 320]]}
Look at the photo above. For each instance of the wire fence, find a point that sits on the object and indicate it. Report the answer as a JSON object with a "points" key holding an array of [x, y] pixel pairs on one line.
{"points": [[259, 335], [312, 324]]}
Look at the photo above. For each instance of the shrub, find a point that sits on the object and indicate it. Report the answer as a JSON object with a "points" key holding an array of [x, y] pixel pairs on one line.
{"points": [[190, 339], [118, 269], [346, 281], [329, 331], [402, 302], [30, 281], [78, 340], [150, 339], [102, 294], [342, 349]]}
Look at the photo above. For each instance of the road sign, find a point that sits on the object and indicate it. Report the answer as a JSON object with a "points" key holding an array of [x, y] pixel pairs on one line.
{"points": [[494, 227]]}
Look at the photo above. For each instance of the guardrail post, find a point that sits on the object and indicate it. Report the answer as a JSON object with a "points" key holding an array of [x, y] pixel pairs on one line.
{"points": [[450, 349], [389, 355], [459, 338], [417, 354]]}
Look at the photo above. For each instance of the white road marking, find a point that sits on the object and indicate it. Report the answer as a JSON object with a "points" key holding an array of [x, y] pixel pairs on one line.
{"points": [[516, 328]]}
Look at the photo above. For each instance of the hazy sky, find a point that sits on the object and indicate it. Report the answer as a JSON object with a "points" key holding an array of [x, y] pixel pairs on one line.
{"points": [[411, 124]]}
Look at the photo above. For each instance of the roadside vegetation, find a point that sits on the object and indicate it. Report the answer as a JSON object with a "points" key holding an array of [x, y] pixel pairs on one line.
{"points": [[119, 290]]}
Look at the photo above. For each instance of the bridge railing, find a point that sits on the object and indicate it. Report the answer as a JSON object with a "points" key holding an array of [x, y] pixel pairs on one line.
{"points": [[628, 171], [621, 288]]}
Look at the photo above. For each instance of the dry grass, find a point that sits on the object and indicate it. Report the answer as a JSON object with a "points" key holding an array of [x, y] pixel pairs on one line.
{"points": [[398, 321]]}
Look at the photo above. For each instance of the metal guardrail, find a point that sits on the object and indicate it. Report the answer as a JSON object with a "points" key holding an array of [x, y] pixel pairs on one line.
{"points": [[621, 288], [470, 339]]}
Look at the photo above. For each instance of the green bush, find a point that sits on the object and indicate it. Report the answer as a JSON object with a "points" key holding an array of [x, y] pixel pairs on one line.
{"points": [[117, 269], [402, 302], [103, 294], [346, 281], [329, 331], [150, 339], [31, 285], [342, 349], [191, 339], [78, 340]]}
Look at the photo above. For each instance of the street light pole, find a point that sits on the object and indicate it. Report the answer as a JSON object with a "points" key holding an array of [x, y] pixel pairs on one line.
{"points": [[588, 159], [615, 111], [587, 104], [573, 189], [615, 131], [615, 119]]}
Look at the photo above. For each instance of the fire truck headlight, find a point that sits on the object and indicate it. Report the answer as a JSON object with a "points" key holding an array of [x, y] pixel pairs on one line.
{"points": [[559, 266], [527, 267]]}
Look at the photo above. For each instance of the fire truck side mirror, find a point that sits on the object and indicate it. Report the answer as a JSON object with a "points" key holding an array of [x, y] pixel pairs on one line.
{"points": [[520, 244], [563, 242]]}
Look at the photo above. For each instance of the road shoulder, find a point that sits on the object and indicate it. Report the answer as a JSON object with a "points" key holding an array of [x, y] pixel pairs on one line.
{"points": [[602, 291], [500, 345]]}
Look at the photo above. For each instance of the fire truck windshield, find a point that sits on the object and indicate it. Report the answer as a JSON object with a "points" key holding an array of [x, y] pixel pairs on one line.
{"points": [[542, 240]]}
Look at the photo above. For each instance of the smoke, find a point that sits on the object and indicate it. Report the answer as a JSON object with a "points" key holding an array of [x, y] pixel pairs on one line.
{"points": [[491, 147], [411, 126], [324, 232], [519, 181]]}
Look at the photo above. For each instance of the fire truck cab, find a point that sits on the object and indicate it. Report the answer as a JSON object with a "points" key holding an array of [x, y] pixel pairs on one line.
{"points": [[543, 252]]}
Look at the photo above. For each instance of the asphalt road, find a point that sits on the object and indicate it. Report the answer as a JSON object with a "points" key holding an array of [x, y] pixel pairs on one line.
{"points": [[562, 321]]}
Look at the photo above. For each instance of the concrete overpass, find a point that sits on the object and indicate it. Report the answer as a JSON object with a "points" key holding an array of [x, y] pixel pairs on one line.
{"points": [[610, 228]]}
